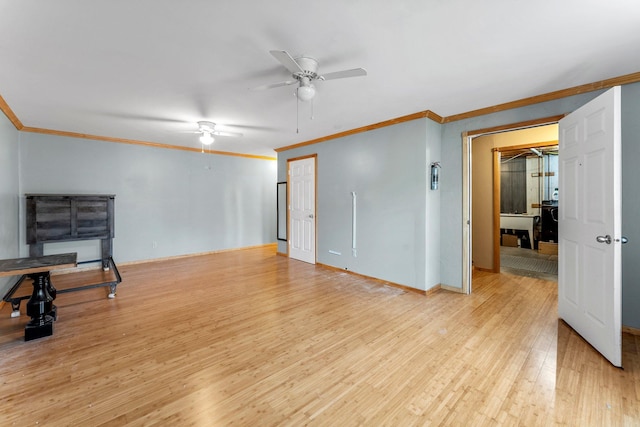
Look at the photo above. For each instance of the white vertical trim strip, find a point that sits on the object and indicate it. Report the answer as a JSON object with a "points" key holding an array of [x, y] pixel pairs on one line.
{"points": [[354, 250]]}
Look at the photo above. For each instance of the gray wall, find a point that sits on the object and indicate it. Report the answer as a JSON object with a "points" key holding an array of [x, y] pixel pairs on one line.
{"points": [[168, 202], [398, 217], [339, 163], [631, 205], [9, 161]]}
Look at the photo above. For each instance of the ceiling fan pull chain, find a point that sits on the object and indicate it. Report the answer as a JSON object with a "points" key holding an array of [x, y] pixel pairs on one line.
{"points": [[311, 118], [297, 115]]}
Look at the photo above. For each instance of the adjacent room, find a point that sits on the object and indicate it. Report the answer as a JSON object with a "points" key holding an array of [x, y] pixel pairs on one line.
{"points": [[526, 162], [336, 213]]}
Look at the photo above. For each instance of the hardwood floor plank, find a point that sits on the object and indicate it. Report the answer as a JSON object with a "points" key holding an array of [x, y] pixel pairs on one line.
{"points": [[251, 338]]}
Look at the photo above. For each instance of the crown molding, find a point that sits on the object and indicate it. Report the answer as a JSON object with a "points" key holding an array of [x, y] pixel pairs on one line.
{"points": [[551, 96], [10, 114], [420, 115], [137, 142], [576, 90]]}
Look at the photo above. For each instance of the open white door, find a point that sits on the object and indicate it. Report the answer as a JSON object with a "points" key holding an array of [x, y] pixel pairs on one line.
{"points": [[589, 227], [302, 210]]}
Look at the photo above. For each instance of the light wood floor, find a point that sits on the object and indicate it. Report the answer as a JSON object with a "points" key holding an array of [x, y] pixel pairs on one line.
{"points": [[249, 338]]}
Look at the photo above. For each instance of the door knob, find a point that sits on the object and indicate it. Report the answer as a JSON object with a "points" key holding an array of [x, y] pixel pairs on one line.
{"points": [[604, 239], [624, 240], [310, 215]]}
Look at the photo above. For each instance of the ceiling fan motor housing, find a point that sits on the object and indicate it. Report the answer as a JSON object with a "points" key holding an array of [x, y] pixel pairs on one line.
{"points": [[205, 126], [309, 66]]}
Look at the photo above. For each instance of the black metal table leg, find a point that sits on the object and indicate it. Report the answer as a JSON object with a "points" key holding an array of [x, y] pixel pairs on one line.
{"points": [[39, 307], [52, 291]]}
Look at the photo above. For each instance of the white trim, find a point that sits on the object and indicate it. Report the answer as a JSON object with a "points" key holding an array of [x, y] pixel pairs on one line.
{"points": [[466, 213]]}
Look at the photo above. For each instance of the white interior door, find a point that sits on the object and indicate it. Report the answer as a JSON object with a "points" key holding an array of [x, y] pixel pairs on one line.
{"points": [[589, 271], [302, 210]]}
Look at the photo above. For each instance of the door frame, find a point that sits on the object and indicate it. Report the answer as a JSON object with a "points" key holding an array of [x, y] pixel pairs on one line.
{"points": [[467, 196], [315, 202]]}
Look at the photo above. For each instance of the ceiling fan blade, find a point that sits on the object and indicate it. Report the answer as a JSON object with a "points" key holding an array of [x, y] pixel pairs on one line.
{"points": [[250, 127], [355, 72], [221, 133], [140, 117], [272, 85], [286, 60]]}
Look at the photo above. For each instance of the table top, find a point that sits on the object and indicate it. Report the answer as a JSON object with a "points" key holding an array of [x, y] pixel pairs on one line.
{"points": [[30, 265]]}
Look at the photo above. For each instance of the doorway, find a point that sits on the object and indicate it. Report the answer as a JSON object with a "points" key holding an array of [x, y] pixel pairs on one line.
{"points": [[526, 191], [514, 177], [589, 278], [481, 238]]}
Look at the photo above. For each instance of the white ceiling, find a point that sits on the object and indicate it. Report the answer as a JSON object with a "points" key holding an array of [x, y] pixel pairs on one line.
{"points": [[148, 70]]}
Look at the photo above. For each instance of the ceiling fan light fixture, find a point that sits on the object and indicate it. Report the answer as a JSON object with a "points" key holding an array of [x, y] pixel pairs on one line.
{"points": [[306, 92], [206, 138]]}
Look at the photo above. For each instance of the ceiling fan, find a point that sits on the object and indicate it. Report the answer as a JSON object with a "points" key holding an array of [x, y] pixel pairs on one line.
{"points": [[304, 71], [208, 129]]}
